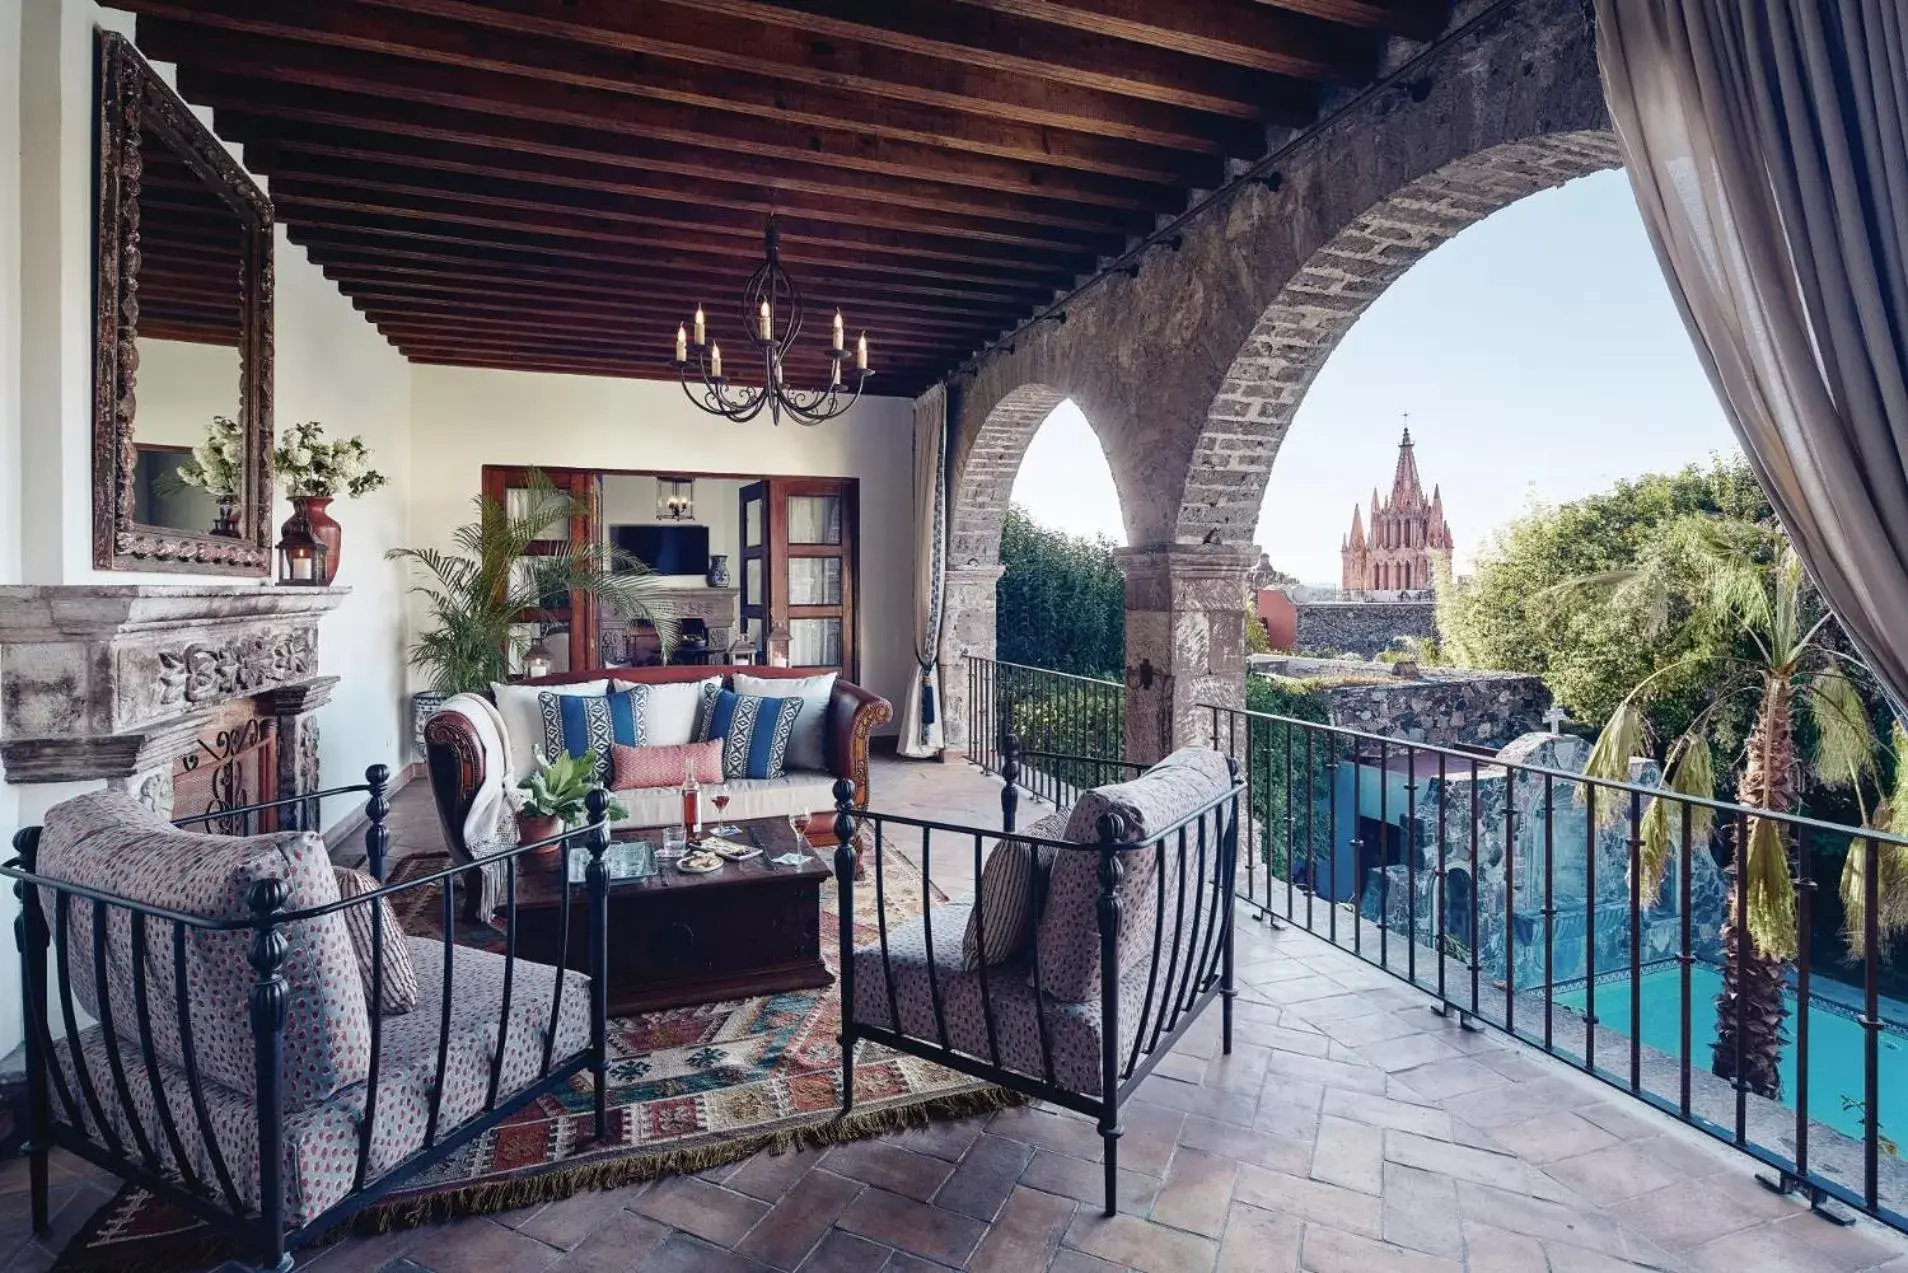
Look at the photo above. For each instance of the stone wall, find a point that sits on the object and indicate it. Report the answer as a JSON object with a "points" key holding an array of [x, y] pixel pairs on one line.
{"points": [[1444, 706], [1364, 628]]}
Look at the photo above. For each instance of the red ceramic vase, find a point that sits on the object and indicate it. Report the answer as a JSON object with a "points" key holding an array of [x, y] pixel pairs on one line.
{"points": [[323, 529]]}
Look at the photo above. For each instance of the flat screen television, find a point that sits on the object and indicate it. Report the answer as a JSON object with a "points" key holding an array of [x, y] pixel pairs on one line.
{"points": [[666, 549]]}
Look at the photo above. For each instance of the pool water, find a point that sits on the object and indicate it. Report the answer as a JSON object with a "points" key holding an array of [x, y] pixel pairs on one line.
{"points": [[1835, 1043]]}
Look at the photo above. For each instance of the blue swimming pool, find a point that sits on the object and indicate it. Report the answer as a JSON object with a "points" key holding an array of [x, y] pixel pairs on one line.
{"points": [[1835, 1042]]}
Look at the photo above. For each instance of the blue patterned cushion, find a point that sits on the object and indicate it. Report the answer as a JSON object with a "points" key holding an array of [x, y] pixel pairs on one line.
{"points": [[754, 733], [575, 723]]}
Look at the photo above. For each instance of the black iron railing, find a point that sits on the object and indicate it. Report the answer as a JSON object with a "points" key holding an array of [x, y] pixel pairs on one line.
{"points": [[171, 1145], [1061, 721], [1511, 893]]}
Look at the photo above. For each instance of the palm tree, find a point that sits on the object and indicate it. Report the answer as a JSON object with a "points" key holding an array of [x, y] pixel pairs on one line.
{"points": [[478, 593], [1749, 584]]}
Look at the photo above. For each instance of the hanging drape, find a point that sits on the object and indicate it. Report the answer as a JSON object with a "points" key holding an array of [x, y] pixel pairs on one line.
{"points": [[1767, 141], [921, 713]]}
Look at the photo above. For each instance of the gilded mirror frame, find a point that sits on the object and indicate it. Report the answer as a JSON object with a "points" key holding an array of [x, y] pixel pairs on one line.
{"points": [[131, 98]]}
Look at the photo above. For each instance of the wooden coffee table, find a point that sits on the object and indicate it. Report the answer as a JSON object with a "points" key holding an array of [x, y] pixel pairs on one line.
{"points": [[751, 928]]}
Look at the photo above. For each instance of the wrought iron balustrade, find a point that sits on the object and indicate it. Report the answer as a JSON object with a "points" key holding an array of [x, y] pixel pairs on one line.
{"points": [[1513, 894], [1065, 725]]}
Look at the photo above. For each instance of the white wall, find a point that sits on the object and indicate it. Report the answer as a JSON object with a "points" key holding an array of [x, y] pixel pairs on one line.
{"points": [[464, 418], [10, 15]]}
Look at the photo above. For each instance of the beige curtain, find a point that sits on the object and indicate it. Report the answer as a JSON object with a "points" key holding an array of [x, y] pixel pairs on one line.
{"points": [[921, 713], [1767, 141]]}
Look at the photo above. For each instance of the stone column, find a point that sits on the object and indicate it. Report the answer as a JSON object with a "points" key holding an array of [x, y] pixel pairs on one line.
{"points": [[293, 709], [967, 627], [1185, 642]]}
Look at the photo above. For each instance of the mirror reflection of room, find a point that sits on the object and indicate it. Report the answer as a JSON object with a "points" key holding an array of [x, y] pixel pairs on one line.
{"points": [[191, 245], [687, 530]]}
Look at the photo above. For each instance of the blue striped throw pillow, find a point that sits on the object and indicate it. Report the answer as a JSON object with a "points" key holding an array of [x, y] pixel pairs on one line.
{"points": [[754, 733], [576, 723]]}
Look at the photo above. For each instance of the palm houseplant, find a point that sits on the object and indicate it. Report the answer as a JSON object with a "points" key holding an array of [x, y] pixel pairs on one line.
{"points": [[501, 567], [1787, 708]]}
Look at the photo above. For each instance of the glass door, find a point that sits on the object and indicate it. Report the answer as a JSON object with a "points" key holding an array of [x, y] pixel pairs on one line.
{"points": [[814, 536]]}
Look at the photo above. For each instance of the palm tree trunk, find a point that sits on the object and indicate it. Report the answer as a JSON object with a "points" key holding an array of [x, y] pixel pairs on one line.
{"points": [[1750, 1009]]}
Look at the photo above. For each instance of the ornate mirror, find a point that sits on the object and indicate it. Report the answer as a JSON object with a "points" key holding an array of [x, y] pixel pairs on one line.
{"points": [[182, 328]]}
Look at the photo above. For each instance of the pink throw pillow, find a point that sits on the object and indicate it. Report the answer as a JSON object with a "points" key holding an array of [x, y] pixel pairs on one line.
{"points": [[637, 767]]}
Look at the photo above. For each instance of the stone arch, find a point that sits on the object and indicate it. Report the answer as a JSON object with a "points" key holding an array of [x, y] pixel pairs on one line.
{"points": [[1292, 339]]}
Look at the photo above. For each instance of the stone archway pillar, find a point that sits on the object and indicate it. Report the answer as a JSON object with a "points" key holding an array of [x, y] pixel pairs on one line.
{"points": [[967, 628], [1185, 642]]}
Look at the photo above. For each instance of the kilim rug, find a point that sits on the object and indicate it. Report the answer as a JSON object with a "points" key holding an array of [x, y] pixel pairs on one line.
{"points": [[692, 1088]]}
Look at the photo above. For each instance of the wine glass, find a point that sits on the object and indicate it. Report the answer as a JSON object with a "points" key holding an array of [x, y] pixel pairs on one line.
{"points": [[798, 823], [721, 802]]}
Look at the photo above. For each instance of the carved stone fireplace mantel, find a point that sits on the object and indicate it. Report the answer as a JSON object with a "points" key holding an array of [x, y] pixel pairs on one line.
{"points": [[121, 681]]}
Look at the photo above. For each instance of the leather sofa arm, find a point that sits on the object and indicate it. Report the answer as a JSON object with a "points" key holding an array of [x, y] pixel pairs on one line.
{"points": [[853, 714], [455, 759]]}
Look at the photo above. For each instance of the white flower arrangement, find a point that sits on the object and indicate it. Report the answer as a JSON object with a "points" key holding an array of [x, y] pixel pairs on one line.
{"points": [[308, 466], [217, 466]]}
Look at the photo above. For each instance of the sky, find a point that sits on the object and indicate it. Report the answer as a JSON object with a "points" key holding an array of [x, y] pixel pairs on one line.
{"points": [[1538, 354]]}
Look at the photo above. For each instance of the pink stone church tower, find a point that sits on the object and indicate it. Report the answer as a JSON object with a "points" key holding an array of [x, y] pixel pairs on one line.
{"points": [[1394, 554]]}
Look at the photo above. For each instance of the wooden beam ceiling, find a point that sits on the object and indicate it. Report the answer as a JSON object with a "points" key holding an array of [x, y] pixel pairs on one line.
{"points": [[554, 184]]}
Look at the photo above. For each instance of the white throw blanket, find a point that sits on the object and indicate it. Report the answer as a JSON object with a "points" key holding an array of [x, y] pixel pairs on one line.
{"points": [[491, 824]]}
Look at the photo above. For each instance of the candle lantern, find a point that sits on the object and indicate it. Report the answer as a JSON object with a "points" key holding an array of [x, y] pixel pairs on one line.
{"points": [[539, 659], [302, 557], [778, 646]]}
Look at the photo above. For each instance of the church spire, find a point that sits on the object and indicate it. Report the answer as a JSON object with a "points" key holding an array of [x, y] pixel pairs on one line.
{"points": [[1406, 490]]}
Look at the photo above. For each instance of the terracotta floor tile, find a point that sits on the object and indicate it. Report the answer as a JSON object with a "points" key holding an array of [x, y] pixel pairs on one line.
{"points": [[1197, 1193], [985, 1178], [784, 1236], [845, 1253], [1140, 1244], [613, 1246], [1026, 1235], [884, 1163], [1086, 1181], [481, 1247], [709, 1211], [1329, 1250], [1257, 1240], [913, 1226], [684, 1254]]}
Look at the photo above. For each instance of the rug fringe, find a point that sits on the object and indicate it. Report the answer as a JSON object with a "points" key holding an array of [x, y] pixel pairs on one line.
{"points": [[563, 1182]]}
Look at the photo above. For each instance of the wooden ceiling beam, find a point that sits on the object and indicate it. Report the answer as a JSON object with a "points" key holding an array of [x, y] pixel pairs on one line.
{"points": [[1007, 43], [423, 298], [467, 136], [675, 51], [388, 80], [586, 237], [652, 342], [453, 269], [836, 281], [804, 235], [894, 384], [1412, 19], [346, 164], [1237, 32], [506, 310], [640, 361], [577, 80]]}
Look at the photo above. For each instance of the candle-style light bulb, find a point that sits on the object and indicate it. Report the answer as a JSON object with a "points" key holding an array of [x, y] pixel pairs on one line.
{"points": [[715, 361], [767, 323], [682, 343], [834, 372], [701, 334], [838, 332], [861, 352]]}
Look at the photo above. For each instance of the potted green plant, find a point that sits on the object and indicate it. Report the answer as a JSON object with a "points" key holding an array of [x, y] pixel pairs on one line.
{"points": [[479, 592], [553, 798], [217, 467], [314, 472]]}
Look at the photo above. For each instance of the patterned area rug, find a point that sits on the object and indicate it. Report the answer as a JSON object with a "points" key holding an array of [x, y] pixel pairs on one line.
{"points": [[692, 1088]]}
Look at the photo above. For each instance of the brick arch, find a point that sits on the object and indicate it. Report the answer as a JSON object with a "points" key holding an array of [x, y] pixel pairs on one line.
{"points": [[985, 470], [1296, 333]]}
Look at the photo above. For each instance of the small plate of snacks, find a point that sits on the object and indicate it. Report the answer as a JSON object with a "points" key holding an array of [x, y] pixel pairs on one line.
{"points": [[700, 862], [730, 851]]}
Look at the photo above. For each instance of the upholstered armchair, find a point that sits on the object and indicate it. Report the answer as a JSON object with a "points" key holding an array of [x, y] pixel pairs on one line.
{"points": [[321, 1058], [1089, 945]]}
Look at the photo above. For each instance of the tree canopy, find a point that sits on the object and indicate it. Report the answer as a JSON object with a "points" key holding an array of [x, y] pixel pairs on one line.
{"points": [[1061, 600], [1520, 611]]}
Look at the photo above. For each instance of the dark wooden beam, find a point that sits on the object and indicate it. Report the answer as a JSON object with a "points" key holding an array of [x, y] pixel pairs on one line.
{"points": [[427, 226], [1413, 19], [569, 38], [469, 168], [338, 122], [1238, 32], [805, 236], [895, 384], [470, 269], [390, 80], [1008, 43]]}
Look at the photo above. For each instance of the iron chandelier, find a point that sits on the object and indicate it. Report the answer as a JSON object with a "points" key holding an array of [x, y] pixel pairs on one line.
{"points": [[770, 301]]}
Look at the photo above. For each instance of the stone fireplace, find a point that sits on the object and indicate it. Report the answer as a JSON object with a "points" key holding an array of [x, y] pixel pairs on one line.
{"points": [[194, 697]]}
